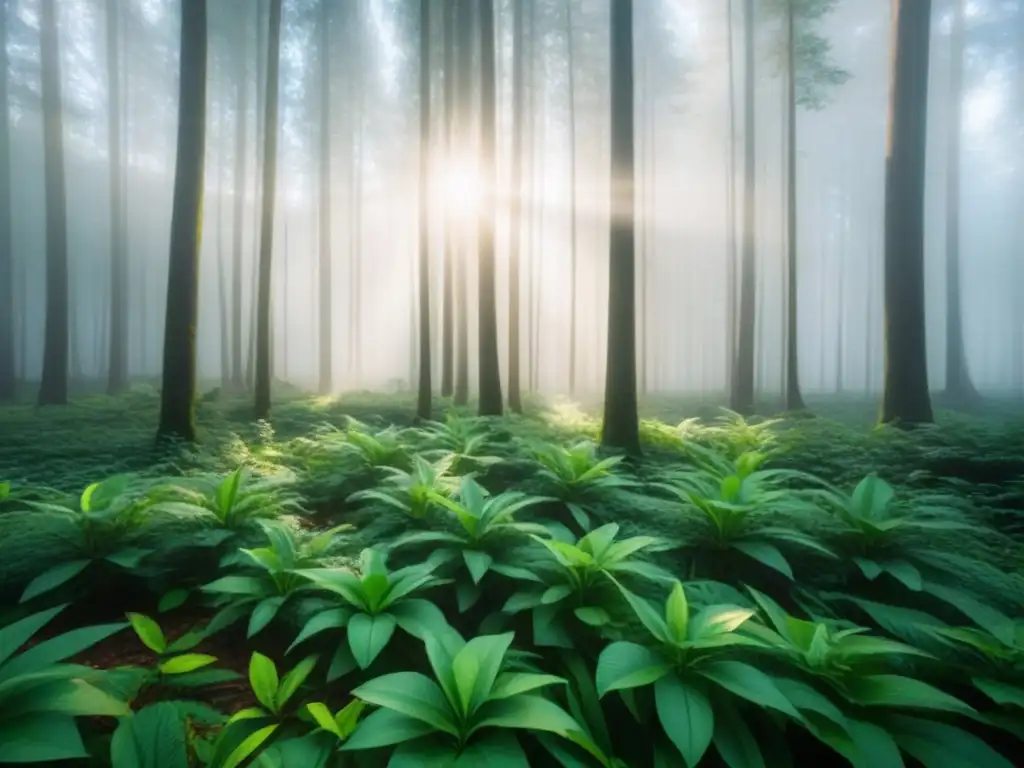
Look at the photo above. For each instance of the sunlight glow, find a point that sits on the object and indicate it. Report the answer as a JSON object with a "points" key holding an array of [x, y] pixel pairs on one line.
{"points": [[461, 188]]}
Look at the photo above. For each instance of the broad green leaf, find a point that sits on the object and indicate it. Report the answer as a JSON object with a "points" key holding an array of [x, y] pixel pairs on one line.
{"points": [[332, 618], [172, 599], [369, 635], [59, 648], [419, 618], [748, 683], [900, 691], [510, 684], [1003, 694], [149, 632], [263, 679], [323, 717], [905, 573], [555, 594], [413, 695], [236, 585], [487, 652], [526, 712], [15, 635], [154, 737], [593, 616], [478, 563], [685, 714], [938, 745], [766, 554], [40, 738], [386, 727], [249, 746], [733, 739], [342, 663], [264, 613], [649, 617], [52, 578], [677, 613], [187, 662], [293, 680], [128, 558], [623, 665]]}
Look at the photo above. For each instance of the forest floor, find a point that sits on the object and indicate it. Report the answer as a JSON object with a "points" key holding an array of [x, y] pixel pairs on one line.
{"points": [[145, 554]]}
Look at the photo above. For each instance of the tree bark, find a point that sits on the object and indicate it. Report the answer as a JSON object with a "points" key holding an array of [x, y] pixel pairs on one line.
{"points": [[464, 53], [53, 389], [794, 400], [424, 394], [325, 359], [237, 281], [117, 370], [621, 427], [448, 297], [177, 396], [573, 227], [906, 399], [268, 200], [8, 373], [515, 400]]}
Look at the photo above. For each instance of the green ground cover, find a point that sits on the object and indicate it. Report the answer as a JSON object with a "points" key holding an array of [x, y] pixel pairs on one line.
{"points": [[348, 588]]}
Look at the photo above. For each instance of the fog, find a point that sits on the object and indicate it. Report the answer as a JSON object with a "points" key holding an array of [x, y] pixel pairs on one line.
{"points": [[689, 158]]}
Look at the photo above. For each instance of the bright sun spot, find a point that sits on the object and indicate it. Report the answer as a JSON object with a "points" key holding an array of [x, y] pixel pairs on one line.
{"points": [[461, 188]]}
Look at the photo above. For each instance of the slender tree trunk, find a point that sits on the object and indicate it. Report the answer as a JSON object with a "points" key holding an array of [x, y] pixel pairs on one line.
{"points": [[489, 368], [53, 389], [117, 366], [464, 53], [8, 372], [959, 386], [424, 395], [515, 400], [257, 192], [237, 281], [621, 427], [573, 228], [529, 186], [730, 215], [269, 200], [794, 400], [222, 282], [906, 399], [448, 298], [325, 359], [177, 396], [742, 397]]}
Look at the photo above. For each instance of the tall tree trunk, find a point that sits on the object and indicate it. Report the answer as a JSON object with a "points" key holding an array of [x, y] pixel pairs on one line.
{"points": [[424, 394], [794, 400], [117, 367], [257, 187], [325, 359], [8, 374], [489, 367], [269, 200], [621, 422], [177, 396], [53, 389], [573, 227], [529, 46], [237, 281], [464, 53], [730, 214], [959, 386], [448, 298], [515, 400], [222, 281], [742, 395], [906, 399]]}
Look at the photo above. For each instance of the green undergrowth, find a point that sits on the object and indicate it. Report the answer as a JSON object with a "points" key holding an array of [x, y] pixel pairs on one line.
{"points": [[763, 592]]}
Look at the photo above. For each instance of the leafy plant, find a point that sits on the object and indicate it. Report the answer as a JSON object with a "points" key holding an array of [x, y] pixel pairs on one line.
{"points": [[175, 665], [412, 493], [464, 442], [375, 450], [465, 715]]}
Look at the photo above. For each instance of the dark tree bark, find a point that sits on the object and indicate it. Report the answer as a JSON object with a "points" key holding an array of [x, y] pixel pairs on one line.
{"points": [[742, 395], [489, 371], [8, 374], [960, 389], [325, 358], [515, 399], [464, 54], [573, 227], [177, 396], [424, 393], [448, 286], [237, 280], [268, 200], [117, 370], [794, 400], [53, 389], [906, 399], [621, 428]]}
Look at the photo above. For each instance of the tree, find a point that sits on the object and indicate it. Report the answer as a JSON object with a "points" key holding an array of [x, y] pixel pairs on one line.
{"points": [[906, 399], [117, 374], [177, 397], [515, 400], [464, 59], [241, 118], [621, 427], [573, 226], [794, 400], [268, 201], [53, 389], [425, 395], [448, 293], [325, 358], [960, 388], [489, 371], [7, 344]]}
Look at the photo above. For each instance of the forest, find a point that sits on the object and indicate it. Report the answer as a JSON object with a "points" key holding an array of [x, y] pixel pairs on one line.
{"points": [[580, 383]]}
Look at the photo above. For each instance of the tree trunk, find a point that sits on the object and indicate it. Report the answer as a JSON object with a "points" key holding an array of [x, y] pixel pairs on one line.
{"points": [[268, 200], [621, 428], [8, 375], [573, 234], [515, 400], [742, 389], [177, 396], [464, 53], [424, 394], [489, 371], [960, 388], [325, 359], [117, 371], [237, 281], [53, 389], [794, 400], [222, 281], [906, 399], [448, 298]]}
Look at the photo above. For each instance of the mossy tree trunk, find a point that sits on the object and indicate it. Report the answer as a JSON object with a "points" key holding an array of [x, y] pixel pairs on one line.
{"points": [[177, 396], [906, 399], [621, 429]]}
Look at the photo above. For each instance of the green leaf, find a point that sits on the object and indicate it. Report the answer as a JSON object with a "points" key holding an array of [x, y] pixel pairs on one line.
{"points": [[905, 573], [293, 680], [40, 738], [419, 618], [526, 712], [900, 691], [733, 739], [59, 648], [249, 745], [766, 554], [369, 635], [411, 694], [263, 679], [384, 728], [342, 663], [152, 738], [748, 683], [938, 745], [236, 585], [478, 563], [15, 635], [685, 714], [52, 578], [555, 594], [333, 618], [1003, 694], [593, 616], [648, 616], [188, 662], [510, 684], [264, 613], [149, 632], [677, 613], [172, 599], [128, 558], [323, 717], [624, 665]]}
